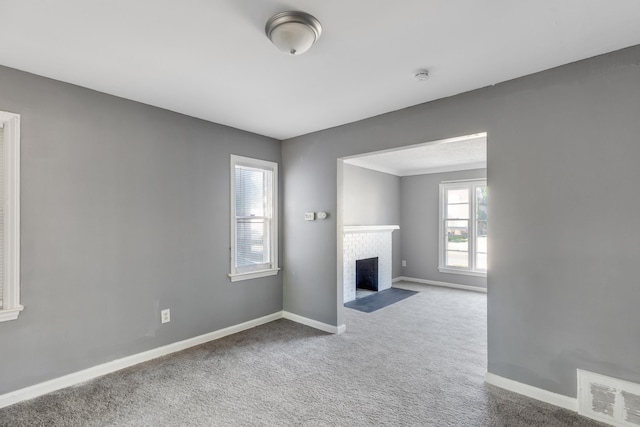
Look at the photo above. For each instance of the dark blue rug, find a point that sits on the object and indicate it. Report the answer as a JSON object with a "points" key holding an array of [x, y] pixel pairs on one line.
{"points": [[379, 300]]}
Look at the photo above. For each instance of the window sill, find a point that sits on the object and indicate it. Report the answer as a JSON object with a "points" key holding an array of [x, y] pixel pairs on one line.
{"points": [[10, 313], [462, 272], [236, 277]]}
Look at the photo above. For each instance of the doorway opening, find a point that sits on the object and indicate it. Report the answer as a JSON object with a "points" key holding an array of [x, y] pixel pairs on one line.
{"points": [[400, 188]]}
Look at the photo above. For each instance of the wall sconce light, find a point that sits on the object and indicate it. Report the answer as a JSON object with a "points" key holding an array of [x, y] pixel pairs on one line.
{"points": [[293, 32]]}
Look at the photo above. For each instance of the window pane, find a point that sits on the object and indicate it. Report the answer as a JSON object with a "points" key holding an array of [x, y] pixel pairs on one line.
{"points": [[458, 195], [252, 242], [481, 202], [481, 261], [481, 244], [457, 235], [457, 259], [458, 226], [481, 212], [458, 211], [457, 243], [250, 192], [481, 228], [481, 195]]}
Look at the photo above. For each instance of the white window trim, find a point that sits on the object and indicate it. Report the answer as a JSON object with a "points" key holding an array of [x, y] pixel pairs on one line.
{"points": [[442, 268], [273, 269], [11, 271]]}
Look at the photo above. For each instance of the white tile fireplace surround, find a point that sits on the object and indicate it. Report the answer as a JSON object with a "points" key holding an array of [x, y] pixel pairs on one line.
{"points": [[366, 241]]}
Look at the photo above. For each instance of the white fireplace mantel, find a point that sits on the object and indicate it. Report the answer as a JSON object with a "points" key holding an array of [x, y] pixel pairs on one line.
{"points": [[369, 228]]}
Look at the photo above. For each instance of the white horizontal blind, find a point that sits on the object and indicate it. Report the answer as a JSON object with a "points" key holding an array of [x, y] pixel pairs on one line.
{"points": [[253, 218], [1, 213]]}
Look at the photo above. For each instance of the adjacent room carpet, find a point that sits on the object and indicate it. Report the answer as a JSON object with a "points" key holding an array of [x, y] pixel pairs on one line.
{"points": [[379, 300], [419, 362]]}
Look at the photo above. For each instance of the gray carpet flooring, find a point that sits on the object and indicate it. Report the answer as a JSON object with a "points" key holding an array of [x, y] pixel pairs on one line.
{"points": [[419, 362]]}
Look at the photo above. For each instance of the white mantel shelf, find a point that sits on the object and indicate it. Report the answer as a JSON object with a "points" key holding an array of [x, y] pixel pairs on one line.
{"points": [[369, 228]]}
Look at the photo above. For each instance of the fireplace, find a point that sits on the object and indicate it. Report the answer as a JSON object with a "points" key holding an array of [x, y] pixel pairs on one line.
{"points": [[361, 242], [367, 274]]}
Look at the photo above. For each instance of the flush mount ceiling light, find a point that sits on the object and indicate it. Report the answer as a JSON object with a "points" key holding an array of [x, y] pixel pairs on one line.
{"points": [[293, 32]]}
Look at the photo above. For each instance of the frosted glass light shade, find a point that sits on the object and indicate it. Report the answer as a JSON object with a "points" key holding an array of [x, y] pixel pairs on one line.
{"points": [[293, 38], [293, 32]]}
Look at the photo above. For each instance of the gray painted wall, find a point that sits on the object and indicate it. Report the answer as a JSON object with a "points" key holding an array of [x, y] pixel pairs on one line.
{"points": [[420, 207], [373, 198], [563, 149], [124, 211]]}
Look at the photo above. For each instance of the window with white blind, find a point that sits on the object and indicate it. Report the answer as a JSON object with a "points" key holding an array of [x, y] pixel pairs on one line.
{"points": [[463, 227], [9, 216], [254, 228]]}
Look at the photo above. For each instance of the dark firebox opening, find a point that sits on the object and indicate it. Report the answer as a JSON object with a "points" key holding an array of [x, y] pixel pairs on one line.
{"points": [[367, 274]]}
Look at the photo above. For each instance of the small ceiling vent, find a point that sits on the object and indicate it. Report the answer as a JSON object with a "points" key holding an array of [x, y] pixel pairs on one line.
{"points": [[421, 75]]}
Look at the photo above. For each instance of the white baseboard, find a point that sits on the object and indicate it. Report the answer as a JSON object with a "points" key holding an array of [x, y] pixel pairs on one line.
{"points": [[443, 284], [115, 365], [559, 400], [314, 323], [118, 364]]}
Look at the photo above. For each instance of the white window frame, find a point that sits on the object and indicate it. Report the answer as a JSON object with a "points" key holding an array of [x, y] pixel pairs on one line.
{"points": [[11, 307], [471, 185], [272, 268]]}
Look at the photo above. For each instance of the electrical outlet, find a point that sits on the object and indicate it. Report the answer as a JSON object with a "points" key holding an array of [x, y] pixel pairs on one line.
{"points": [[404, 263], [165, 316]]}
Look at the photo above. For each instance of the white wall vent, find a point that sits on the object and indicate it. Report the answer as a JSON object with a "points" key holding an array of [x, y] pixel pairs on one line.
{"points": [[609, 400]]}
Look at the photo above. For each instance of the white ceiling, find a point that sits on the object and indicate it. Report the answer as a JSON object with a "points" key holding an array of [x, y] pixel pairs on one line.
{"points": [[454, 154], [210, 58]]}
